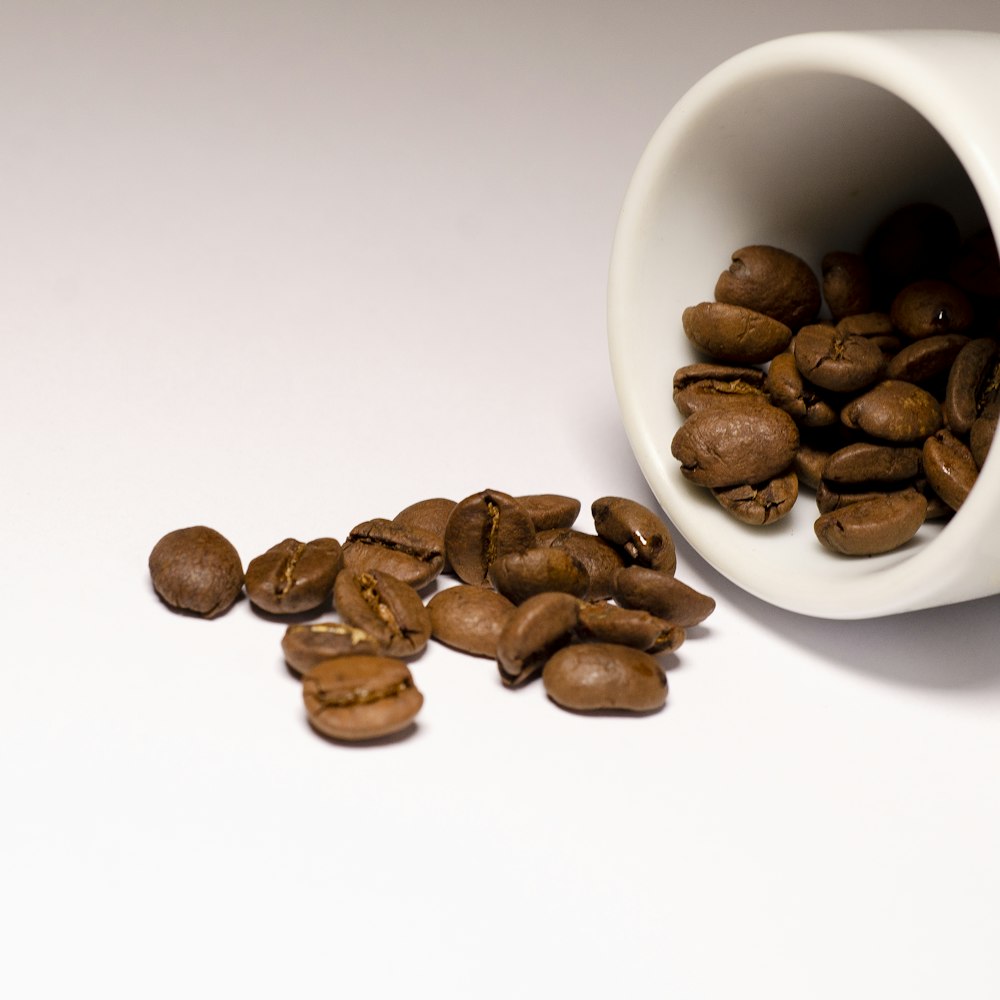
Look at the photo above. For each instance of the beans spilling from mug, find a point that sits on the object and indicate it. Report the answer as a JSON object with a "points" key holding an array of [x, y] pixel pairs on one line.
{"points": [[885, 407], [591, 613]]}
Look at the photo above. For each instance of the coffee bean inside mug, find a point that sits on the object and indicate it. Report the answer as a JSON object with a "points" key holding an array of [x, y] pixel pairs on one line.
{"points": [[892, 350]]}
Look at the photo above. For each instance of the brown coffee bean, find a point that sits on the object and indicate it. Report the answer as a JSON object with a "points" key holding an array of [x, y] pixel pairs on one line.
{"points": [[599, 558], [784, 387], [734, 334], [604, 622], [358, 698], [809, 464], [950, 468], [196, 569], [865, 461], [661, 595], [388, 609], [520, 575], [894, 411], [700, 385], [550, 510], [833, 497], [872, 324], [929, 308], [847, 286], [983, 431], [636, 529], [773, 282], [926, 359], [874, 526], [539, 626], [595, 676], [294, 576], [835, 361], [469, 618], [482, 528], [973, 381], [760, 503], [410, 554], [728, 446], [429, 516], [308, 644]]}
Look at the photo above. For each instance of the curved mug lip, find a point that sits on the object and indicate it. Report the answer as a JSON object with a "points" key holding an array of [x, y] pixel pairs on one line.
{"points": [[946, 77]]}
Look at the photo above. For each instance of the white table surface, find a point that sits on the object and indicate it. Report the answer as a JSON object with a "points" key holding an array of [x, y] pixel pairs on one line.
{"points": [[282, 267]]}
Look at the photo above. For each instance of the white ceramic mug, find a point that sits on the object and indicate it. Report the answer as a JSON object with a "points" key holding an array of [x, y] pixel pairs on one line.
{"points": [[804, 143]]}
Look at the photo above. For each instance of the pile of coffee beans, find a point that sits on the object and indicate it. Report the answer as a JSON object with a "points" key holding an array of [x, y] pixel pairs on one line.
{"points": [[589, 612], [885, 407]]}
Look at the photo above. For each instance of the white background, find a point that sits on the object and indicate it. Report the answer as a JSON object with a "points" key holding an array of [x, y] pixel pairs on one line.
{"points": [[282, 267]]}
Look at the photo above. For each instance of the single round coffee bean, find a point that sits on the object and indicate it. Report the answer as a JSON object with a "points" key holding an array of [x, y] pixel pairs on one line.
{"points": [[388, 609], [950, 468], [871, 527], [926, 359], [835, 361], [599, 558], [731, 445], [773, 282], [520, 575], [894, 411], [410, 554], [661, 595], [305, 645], [294, 576], [928, 308], [360, 697], [865, 461], [469, 618], [846, 286], [536, 629], [974, 379], [635, 528], [196, 569], [600, 621], [700, 385], [429, 516], [760, 503], [734, 334], [483, 527], [596, 676], [550, 510]]}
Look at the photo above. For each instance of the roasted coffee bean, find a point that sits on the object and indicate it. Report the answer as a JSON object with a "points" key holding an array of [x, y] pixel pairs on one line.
{"points": [[595, 676], [520, 575], [974, 380], [386, 608], [784, 387], [196, 569], [410, 554], [865, 461], [701, 385], [773, 282], [809, 464], [894, 411], [636, 529], [308, 644], [873, 324], [950, 468], [429, 516], [294, 576], [360, 697], [929, 308], [728, 446], [539, 626], [831, 496], [469, 618], [661, 595], [926, 359], [835, 361], [550, 510], [871, 527], [847, 286], [760, 503], [734, 334], [600, 621], [483, 527], [599, 558]]}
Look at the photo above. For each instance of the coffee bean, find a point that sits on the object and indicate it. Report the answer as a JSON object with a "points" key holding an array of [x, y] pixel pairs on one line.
{"points": [[196, 569], [469, 618], [701, 385], [809, 464], [836, 361], [482, 528], [305, 645], [871, 527], [928, 308], [410, 554], [661, 595], [520, 575], [734, 334], [983, 431], [973, 382], [894, 411], [865, 461], [773, 282], [873, 324], [950, 468], [600, 621], [599, 558], [550, 510], [636, 529], [386, 608], [357, 698], [294, 576], [831, 496], [926, 359], [539, 626], [847, 285], [760, 503], [430, 516], [596, 676], [728, 446], [784, 387]]}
